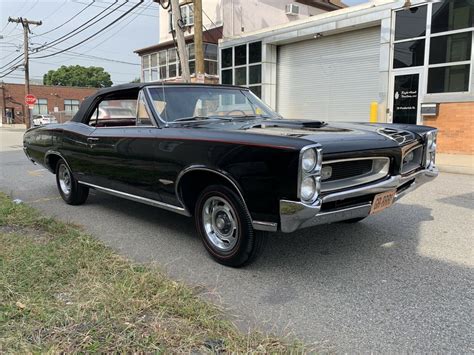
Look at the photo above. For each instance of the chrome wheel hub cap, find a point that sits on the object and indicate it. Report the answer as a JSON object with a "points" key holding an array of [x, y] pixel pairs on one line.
{"points": [[220, 226], [64, 179]]}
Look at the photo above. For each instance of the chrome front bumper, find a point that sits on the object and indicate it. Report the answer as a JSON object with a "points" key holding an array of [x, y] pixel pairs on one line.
{"points": [[296, 215]]}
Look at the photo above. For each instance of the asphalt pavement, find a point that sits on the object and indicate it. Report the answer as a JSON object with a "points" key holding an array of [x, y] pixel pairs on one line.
{"points": [[400, 281]]}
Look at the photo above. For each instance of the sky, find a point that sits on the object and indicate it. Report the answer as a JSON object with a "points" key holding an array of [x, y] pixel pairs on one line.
{"points": [[136, 30], [110, 48]]}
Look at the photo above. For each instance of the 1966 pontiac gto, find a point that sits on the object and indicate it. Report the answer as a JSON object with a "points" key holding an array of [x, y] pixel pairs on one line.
{"points": [[219, 154]]}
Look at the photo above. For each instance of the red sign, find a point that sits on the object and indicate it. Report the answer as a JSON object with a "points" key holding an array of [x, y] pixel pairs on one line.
{"points": [[30, 99]]}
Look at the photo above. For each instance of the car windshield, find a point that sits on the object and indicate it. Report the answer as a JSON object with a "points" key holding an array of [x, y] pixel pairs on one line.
{"points": [[190, 104]]}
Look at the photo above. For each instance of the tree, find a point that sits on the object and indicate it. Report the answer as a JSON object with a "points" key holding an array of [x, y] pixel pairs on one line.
{"points": [[136, 80], [77, 75]]}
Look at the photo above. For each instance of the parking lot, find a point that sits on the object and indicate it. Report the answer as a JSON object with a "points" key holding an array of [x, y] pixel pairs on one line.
{"points": [[399, 281]]}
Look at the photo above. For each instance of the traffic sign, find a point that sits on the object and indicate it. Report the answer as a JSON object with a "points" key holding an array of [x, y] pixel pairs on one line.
{"points": [[30, 99]]}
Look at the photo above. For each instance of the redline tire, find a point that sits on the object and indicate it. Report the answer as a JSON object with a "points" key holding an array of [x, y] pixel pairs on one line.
{"points": [[244, 244], [70, 190]]}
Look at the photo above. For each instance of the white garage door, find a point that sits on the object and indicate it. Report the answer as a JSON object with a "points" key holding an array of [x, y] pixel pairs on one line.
{"points": [[333, 78]]}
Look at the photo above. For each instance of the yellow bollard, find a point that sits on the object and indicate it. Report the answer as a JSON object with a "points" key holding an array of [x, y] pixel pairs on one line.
{"points": [[373, 111]]}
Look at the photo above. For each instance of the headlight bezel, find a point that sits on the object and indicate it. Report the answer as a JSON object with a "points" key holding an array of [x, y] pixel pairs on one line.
{"points": [[314, 173], [430, 148]]}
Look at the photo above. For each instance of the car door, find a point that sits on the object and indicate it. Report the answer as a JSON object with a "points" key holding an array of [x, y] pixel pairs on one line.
{"points": [[121, 157]]}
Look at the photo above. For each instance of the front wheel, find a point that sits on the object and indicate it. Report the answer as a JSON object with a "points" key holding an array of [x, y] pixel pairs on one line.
{"points": [[71, 191], [225, 227]]}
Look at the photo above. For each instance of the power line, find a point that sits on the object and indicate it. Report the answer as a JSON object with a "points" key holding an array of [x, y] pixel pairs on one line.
{"points": [[95, 5], [94, 34], [120, 29], [80, 29], [66, 22]]}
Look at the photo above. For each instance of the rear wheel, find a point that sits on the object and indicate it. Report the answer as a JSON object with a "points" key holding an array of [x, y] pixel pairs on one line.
{"points": [[225, 227], [70, 190]]}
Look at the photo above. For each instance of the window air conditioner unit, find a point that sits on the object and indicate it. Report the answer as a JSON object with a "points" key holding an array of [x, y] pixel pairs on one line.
{"points": [[292, 9]]}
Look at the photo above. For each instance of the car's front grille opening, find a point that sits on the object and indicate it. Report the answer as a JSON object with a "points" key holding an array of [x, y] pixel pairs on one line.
{"points": [[412, 160], [405, 186], [348, 202], [345, 173], [347, 169]]}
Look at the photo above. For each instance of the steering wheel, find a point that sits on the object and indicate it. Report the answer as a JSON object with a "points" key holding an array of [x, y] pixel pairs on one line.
{"points": [[241, 111]]}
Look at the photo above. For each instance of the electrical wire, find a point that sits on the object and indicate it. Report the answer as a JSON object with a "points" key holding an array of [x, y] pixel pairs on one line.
{"points": [[120, 29], [80, 28], [64, 23], [98, 6], [94, 34]]}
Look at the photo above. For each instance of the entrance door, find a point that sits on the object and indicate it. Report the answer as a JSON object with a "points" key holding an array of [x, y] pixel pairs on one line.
{"points": [[406, 98]]}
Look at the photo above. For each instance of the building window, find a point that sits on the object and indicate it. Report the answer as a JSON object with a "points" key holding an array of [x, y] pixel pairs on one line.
{"points": [[242, 65], [410, 23], [448, 35], [210, 58], [449, 64], [409, 54], [71, 106], [41, 107], [452, 15], [146, 68], [172, 63], [187, 15]]}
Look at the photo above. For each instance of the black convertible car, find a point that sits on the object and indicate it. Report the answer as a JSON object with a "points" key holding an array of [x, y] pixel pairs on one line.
{"points": [[220, 154]]}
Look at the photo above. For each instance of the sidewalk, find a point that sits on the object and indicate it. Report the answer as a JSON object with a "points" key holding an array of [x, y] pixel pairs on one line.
{"points": [[455, 163], [11, 138]]}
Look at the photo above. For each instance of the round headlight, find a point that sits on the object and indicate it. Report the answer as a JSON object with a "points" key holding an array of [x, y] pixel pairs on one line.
{"points": [[308, 188], [309, 160]]}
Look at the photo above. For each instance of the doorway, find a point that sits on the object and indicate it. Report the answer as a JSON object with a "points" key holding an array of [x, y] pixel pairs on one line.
{"points": [[406, 97]]}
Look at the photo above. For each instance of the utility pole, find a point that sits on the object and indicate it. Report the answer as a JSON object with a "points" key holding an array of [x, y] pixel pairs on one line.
{"points": [[178, 26], [26, 31], [198, 46]]}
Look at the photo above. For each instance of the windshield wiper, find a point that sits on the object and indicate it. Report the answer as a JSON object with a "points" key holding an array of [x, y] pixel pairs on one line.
{"points": [[198, 118]]}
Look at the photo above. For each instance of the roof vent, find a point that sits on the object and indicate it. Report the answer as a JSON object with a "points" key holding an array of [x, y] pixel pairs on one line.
{"points": [[292, 9]]}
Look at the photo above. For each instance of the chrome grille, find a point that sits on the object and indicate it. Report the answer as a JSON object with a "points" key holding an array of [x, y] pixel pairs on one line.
{"points": [[344, 173], [397, 135]]}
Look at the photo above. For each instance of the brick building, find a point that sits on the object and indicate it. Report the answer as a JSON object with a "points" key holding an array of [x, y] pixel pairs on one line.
{"points": [[62, 101]]}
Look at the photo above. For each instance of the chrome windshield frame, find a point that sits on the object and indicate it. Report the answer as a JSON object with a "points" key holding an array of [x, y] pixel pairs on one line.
{"points": [[162, 123]]}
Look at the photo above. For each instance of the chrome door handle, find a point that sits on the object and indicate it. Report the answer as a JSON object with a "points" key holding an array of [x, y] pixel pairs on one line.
{"points": [[92, 139]]}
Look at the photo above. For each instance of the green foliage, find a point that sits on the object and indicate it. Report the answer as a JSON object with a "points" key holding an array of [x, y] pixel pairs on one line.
{"points": [[62, 291], [136, 80], [77, 75]]}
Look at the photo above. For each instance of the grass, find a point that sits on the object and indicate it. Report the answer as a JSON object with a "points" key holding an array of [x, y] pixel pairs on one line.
{"points": [[63, 291]]}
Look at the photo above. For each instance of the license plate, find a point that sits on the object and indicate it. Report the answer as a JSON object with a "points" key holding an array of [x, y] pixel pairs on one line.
{"points": [[382, 201]]}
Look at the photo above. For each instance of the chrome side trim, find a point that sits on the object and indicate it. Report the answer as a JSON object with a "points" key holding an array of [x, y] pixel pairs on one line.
{"points": [[204, 168], [265, 226], [147, 201]]}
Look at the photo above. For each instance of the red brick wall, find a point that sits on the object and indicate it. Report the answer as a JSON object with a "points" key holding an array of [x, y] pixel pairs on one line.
{"points": [[13, 96], [455, 124]]}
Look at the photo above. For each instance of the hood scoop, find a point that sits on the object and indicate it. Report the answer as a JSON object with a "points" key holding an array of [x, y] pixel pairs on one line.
{"points": [[295, 124]]}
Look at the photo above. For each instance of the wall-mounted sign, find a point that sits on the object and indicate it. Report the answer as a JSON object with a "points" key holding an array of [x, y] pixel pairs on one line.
{"points": [[429, 109]]}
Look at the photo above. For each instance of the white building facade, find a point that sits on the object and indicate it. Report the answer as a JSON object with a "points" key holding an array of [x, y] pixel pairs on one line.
{"points": [[221, 18], [413, 59]]}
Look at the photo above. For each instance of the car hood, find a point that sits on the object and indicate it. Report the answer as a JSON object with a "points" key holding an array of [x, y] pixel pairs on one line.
{"points": [[335, 137]]}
